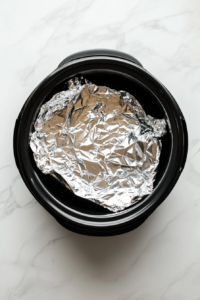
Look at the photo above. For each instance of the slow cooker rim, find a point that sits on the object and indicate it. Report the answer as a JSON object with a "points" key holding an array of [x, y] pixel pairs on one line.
{"points": [[56, 73]]}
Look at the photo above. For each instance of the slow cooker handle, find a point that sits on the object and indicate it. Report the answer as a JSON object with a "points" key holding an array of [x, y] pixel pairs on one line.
{"points": [[99, 52]]}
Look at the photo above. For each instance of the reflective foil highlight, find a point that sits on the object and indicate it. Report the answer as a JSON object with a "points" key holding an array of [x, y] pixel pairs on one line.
{"points": [[101, 143]]}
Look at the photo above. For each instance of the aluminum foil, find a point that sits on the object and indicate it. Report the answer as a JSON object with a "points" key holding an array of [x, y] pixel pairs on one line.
{"points": [[100, 142]]}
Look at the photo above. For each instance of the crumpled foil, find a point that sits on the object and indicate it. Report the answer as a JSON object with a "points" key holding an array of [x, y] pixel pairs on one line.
{"points": [[100, 141]]}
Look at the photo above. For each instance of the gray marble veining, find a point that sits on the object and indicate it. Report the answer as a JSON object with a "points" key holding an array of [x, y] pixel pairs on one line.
{"points": [[38, 258]]}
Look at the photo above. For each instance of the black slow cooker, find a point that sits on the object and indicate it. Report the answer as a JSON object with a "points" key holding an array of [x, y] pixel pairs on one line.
{"points": [[119, 71]]}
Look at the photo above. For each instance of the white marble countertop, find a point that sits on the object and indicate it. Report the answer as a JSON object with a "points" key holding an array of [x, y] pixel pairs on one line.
{"points": [[38, 258]]}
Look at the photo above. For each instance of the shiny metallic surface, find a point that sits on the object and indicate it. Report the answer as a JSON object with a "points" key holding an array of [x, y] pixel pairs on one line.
{"points": [[100, 142]]}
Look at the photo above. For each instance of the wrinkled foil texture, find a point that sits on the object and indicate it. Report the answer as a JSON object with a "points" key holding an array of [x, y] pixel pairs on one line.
{"points": [[100, 141]]}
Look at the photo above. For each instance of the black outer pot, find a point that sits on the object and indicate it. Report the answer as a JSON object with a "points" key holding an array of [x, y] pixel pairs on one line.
{"points": [[121, 72]]}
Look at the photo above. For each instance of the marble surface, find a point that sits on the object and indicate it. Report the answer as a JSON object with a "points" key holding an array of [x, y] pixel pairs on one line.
{"points": [[38, 258]]}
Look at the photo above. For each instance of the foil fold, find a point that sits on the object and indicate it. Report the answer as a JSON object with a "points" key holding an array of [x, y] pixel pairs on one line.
{"points": [[100, 141]]}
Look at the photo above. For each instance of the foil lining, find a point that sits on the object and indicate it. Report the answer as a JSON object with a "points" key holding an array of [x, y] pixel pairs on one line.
{"points": [[100, 142]]}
